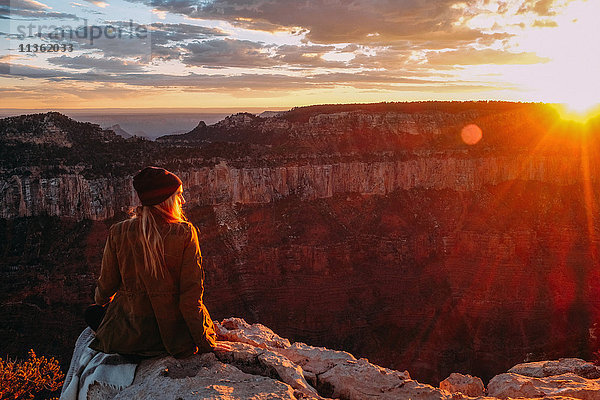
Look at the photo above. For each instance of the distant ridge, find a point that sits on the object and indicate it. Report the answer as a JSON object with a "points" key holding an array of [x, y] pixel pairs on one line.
{"points": [[57, 143], [119, 131], [52, 128]]}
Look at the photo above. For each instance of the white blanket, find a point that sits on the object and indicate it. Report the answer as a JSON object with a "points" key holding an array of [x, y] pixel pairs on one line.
{"points": [[90, 366]]}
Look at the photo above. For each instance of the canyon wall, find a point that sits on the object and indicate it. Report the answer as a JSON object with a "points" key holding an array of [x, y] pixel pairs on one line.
{"points": [[376, 232], [72, 195]]}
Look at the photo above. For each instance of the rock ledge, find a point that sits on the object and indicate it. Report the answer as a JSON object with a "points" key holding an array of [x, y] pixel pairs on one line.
{"points": [[263, 365]]}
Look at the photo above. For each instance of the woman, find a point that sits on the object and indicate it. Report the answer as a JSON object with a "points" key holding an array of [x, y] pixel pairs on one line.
{"points": [[152, 277]]}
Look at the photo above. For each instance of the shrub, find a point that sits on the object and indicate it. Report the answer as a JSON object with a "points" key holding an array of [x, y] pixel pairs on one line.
{"points": [[35, 377]]}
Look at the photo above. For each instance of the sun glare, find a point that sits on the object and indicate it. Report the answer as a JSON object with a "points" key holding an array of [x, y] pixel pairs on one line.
{"points": [[575, 60], [577, 112], [567, 72]]}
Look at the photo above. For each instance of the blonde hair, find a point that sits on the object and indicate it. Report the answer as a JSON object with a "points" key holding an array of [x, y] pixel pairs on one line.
{"points": [[149, 235]]}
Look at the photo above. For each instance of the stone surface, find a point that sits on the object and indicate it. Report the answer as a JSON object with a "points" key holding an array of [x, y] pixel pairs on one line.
{"points": [[271, 368], [511, 385], [263, 371], [200, 377], [465, 384], [316, 360], [542, 369], [263, 362], [360, 379], [569, 377], [238, 330]]}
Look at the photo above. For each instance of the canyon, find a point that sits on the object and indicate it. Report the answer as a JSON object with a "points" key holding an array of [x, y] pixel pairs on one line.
{"points": [[372, 229]]}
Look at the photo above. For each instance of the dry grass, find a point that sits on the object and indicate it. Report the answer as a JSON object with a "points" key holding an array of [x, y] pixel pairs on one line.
{"points": [[35, 377]]}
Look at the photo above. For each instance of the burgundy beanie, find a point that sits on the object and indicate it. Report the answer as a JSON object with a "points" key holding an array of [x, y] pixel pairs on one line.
{"points": [[154, 185]]}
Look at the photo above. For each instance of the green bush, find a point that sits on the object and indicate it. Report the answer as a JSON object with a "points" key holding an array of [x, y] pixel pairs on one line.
{"points": [[35, 377]]}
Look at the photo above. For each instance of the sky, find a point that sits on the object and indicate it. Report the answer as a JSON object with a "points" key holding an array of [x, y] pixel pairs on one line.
{"points": [[279, 54]]}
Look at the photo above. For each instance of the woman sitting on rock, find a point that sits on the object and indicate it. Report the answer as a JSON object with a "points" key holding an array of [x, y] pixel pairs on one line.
{"points": [[152, 278]]}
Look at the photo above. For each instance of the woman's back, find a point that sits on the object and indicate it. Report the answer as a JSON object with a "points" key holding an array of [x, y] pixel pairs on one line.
{"points": [[134, 275], [151, 315]]}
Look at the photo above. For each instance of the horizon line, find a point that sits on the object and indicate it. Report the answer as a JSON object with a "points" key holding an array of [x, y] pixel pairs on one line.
{"points": [[251, 109], [191, 109]]}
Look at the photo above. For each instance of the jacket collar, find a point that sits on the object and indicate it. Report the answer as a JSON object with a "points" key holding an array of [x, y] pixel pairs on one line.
{"points": [[158, 216]]}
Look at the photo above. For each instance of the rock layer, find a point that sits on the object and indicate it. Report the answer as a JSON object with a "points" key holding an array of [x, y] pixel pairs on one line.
{"points": [[71, 195], [272, 368]]}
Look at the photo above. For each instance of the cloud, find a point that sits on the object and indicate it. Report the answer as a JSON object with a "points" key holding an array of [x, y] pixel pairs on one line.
{"points": [[162, 33], [470, 56], [160, 14], [334, 21], [59, 93], [245, 82], [543, 8], [28, 5], [216, 53], [370, 79], [386, 45], [126, 47], [394, 35], [98, 3], [227, 53], [111, 65], [157, 40], [538, 23], [31, 9], [308, 56]]}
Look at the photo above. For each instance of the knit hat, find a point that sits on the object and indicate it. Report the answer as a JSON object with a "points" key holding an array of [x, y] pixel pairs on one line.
{"points": [[154, 185]]}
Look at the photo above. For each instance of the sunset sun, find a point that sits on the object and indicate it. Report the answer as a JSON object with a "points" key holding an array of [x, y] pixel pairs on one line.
{"points": [[578, 111], [570, 77]]}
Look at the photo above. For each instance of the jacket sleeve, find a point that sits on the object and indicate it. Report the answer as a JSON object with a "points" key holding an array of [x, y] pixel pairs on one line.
{"points": [[191, 289], [110, 277]]}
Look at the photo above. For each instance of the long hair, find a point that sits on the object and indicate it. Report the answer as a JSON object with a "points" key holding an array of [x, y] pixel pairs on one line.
{"points": [[148, 234]]}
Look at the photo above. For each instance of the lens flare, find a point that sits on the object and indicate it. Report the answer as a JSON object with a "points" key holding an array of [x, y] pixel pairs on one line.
{"points": [[471, 134]]}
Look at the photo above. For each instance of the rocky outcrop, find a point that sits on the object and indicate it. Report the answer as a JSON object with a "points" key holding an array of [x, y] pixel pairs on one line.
{"points": [[571, 378], [198, 377], [465, 384], [51, 129], [542, 369], [261, 365]]}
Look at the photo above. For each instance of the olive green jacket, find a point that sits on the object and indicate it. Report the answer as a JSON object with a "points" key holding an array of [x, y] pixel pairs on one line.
{"points": [[151, 316]]}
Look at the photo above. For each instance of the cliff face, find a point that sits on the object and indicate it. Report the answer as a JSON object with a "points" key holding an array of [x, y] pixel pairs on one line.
{"points": [[429, 280], [71, 195], [369, 229]]}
